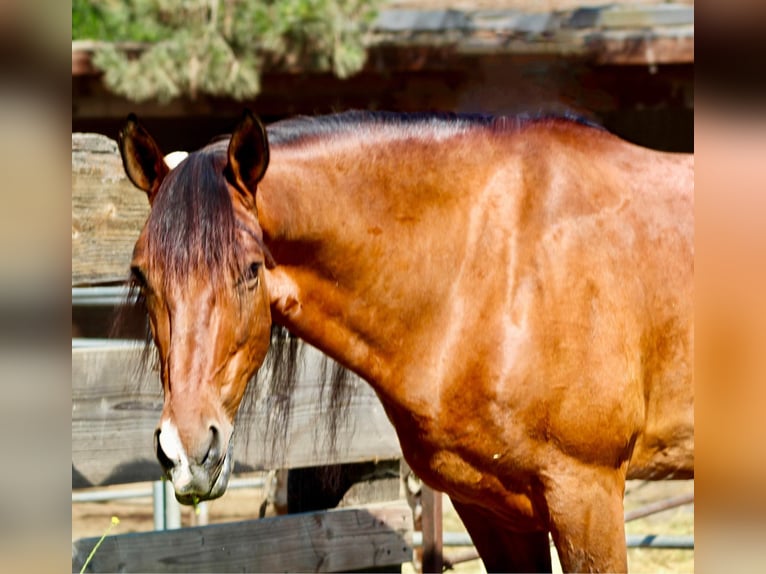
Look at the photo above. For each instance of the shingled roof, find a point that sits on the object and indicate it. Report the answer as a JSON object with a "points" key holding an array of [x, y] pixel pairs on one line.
{"points": [[647, 32], [627, 32]]}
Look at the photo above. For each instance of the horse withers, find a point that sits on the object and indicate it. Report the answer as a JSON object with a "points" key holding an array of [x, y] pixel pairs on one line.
{"points": [[517, 291]]}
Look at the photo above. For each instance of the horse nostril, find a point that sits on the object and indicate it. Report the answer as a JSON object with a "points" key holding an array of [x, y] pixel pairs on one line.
{"points": [[214, 450], [165, 462]]}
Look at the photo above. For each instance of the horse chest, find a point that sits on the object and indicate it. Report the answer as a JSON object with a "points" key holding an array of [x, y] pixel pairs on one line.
{"points": [[466, 470]]}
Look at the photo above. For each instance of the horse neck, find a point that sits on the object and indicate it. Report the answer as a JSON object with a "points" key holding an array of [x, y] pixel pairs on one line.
{"points": [[363, 233]]}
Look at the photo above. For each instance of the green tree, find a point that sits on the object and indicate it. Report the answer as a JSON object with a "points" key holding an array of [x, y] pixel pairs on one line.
{"points": [[218, 47]]}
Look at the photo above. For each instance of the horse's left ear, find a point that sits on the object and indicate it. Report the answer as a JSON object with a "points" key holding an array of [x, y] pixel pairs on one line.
{"points": [[248, 154]]}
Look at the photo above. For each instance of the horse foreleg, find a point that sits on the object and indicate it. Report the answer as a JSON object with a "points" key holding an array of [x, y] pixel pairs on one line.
{"points": [[587, 519], [502, 550]]}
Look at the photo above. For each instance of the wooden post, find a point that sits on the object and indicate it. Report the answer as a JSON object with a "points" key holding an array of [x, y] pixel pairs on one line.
{"points": [[433, 560]]}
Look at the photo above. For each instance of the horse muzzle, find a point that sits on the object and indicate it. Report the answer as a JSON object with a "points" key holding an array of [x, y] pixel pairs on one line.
{"points": [[194, 478], [198, 483]]}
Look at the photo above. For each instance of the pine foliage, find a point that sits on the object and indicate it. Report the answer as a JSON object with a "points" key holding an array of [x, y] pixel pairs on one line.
{"points": [[218, 47]]}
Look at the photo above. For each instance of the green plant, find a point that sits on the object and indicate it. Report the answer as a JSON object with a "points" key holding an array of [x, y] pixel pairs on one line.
{"points": [[115, 521], [218, 47]]}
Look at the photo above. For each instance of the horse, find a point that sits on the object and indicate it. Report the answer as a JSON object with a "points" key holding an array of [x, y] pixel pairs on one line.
{"points": [[518, 291]]}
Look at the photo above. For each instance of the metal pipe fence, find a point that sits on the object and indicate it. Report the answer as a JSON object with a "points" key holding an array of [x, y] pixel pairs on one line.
{"points": [[166, 510], [95, 494]]}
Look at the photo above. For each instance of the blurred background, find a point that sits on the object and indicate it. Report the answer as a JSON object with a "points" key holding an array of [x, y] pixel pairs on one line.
{"points": [[188, 68]]}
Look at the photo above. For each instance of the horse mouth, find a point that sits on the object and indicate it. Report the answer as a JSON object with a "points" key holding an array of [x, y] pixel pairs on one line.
{"points": [[205, 485], [194, 499]]}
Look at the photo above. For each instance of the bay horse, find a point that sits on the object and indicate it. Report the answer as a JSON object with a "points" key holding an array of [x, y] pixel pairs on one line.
{"points": [[517, 291]]}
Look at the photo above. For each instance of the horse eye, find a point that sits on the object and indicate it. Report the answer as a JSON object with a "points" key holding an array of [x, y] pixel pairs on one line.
{"points": [[138, 276], [251, 275]]}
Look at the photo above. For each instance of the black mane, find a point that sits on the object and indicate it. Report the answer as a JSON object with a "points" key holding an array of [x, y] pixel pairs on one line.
{"points": [[191, 226], [301, 128]]}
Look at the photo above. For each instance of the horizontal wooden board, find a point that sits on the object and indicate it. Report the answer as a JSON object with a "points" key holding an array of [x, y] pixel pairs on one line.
{"points": [[337, 540], [108, 212], [115, 410]]}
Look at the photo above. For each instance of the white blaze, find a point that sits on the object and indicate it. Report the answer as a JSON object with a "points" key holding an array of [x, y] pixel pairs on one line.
{"points": [[170, 442]]}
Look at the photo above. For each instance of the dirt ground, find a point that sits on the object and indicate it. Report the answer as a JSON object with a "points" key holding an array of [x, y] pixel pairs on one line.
{"points": [[135, 515]]}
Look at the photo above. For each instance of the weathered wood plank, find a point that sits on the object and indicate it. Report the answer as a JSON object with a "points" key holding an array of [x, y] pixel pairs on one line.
{"points": [[331, 541], [115, 412], [642, 48], [107, 212]]}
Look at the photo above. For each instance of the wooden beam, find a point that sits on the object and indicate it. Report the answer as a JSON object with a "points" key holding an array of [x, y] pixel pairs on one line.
{"points": [[639, 49], [357, 538], [115, 410], [433, 545], [107, 212]]}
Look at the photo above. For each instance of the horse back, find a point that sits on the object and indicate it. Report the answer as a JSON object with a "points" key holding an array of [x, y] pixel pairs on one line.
{"points": [[603, 262]]}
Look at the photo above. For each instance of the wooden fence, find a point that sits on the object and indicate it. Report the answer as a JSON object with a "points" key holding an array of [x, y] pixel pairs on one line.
{"points": [[115, 411], [116, 407]]}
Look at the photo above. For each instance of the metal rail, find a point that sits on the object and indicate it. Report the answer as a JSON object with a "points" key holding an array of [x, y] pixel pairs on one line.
{"points": [[89, 343], [111, 296], [656, 507], [458, 539], [104, 494]]}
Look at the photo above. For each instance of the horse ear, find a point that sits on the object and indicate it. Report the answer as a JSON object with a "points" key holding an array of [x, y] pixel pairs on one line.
{"points": [[141, 156], [248, 154]]}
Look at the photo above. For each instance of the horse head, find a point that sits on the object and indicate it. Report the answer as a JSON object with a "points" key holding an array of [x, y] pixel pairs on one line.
{"points": [[199, 264]]}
